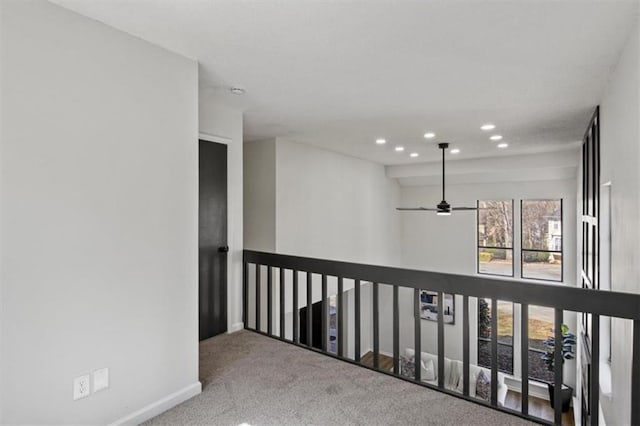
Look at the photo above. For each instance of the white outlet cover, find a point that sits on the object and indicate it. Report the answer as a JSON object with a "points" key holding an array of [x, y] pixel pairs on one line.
{"points": [[100, 379], [81, 387]]}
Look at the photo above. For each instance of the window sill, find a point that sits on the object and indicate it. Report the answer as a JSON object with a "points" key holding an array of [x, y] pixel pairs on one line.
{"points": [[537, 389], [524, 280], [605, 379]]}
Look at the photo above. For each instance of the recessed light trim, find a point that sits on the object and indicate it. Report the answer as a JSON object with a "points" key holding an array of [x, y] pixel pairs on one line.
{"points": [[413, 154], [399, 148], [503, 145], [429, 135], [496, 137], [237, 90], [487, 127], [455, 151], [381, 141]]}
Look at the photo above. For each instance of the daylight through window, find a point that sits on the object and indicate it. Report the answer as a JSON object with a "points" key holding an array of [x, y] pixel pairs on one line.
{"points": [[542, 239], [495, 237]]}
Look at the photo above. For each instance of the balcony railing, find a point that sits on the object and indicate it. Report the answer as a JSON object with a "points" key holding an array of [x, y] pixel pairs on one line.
{"points": [[300, 274]]}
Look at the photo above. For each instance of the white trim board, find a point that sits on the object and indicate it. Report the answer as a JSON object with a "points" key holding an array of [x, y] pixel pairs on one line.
{"points": [[235, 327], [158, 407], [214, 138]]}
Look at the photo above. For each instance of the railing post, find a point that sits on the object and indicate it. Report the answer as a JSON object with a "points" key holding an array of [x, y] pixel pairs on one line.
{"points": [[340, 313], [594, 381], [441, 340], [245, 294], [396, 332], [324, 312], [295, 314], [524, 356], [635, 375], [269, 300], [557, 370], [465, 345], [376, 326], [258, 296], [357, 321], [282, 309], [494, 351], [309, 310], [417, 336]]}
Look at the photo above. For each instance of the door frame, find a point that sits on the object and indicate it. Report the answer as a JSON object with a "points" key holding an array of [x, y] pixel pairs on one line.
{"points": [[225, 141]]}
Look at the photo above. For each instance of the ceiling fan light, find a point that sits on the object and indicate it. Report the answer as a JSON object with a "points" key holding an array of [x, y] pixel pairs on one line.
{"points": [[443, 213]]}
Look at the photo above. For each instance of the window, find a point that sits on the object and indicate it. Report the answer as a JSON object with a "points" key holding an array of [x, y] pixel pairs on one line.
{"points": [[541, 327], [505, 335], [495, 237], [541, 239]]}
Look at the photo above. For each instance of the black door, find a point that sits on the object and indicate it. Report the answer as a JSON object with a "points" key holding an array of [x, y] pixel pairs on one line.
{"points": [[212, 245]]}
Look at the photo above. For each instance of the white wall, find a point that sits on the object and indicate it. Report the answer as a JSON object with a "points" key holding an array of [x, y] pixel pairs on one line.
{"points": [[98, 218], [334, 206], [260, 195], [620, 155], [327, 205], [222, 123]]}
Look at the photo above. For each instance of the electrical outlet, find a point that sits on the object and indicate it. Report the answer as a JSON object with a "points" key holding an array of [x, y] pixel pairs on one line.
{"points": [[81, 387], [100, 379]]}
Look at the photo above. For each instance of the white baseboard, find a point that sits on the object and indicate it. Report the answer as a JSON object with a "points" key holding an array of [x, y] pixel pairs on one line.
{"points": [[235, 327], [160, 406]]}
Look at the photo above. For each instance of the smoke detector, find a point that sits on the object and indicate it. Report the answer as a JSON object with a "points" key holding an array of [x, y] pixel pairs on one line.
{"points": [[237, 90]]}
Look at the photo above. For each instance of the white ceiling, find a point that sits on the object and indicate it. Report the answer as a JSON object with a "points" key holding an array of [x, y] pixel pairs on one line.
{"points": [[339, 74]]}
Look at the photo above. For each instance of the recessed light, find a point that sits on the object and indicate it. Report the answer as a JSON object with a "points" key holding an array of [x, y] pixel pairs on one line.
{"points": [[488, 126], [495, 137], [237, 90], [455, 151], [399, 148], [381, 141], [503, 145], [429, 135], [413, 154]]}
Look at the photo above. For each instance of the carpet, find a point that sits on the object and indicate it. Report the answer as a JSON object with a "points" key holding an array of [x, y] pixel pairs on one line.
{"points": [[255, 380]]}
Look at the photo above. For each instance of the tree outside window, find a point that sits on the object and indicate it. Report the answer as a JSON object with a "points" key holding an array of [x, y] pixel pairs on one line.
{"points": [[542, 239], [495, 237]]}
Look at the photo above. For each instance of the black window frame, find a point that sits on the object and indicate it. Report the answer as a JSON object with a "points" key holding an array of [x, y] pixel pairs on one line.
{"points": [[478, 246], [561, 251]]}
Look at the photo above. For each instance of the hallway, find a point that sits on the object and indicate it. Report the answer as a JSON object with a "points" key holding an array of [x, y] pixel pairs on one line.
{"points": [[252, 379]]}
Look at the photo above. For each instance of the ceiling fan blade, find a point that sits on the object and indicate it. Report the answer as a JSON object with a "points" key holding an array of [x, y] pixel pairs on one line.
{"points": [[409, 209], [464, 208]]}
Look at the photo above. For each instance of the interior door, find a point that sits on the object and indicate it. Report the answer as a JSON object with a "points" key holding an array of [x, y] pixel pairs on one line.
{"points": [[212, 224]]}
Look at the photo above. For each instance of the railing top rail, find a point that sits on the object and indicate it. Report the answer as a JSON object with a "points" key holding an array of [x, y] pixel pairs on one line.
{"points": [[607, 303]]}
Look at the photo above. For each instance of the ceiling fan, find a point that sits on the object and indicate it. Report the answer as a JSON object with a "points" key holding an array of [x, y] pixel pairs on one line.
{"points": [[444, 208]]}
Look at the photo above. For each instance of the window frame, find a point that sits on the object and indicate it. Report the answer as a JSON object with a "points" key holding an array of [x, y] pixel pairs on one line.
{"points": [[488, 339], [478, 246], [561, 251], [538, 352]]}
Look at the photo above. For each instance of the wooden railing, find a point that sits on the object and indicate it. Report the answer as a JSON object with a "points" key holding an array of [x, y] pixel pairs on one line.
{"points": [[559, 297]]}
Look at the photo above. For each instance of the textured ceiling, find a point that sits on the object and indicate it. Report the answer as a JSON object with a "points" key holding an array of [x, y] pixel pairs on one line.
{"points": [[341, 74]]}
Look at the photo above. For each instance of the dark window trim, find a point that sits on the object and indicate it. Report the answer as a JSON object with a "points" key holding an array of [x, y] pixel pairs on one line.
{"points": [[522, 249]]}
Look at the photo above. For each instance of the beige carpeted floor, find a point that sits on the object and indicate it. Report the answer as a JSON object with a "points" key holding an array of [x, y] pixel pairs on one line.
{"points": [[251, 379]]}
